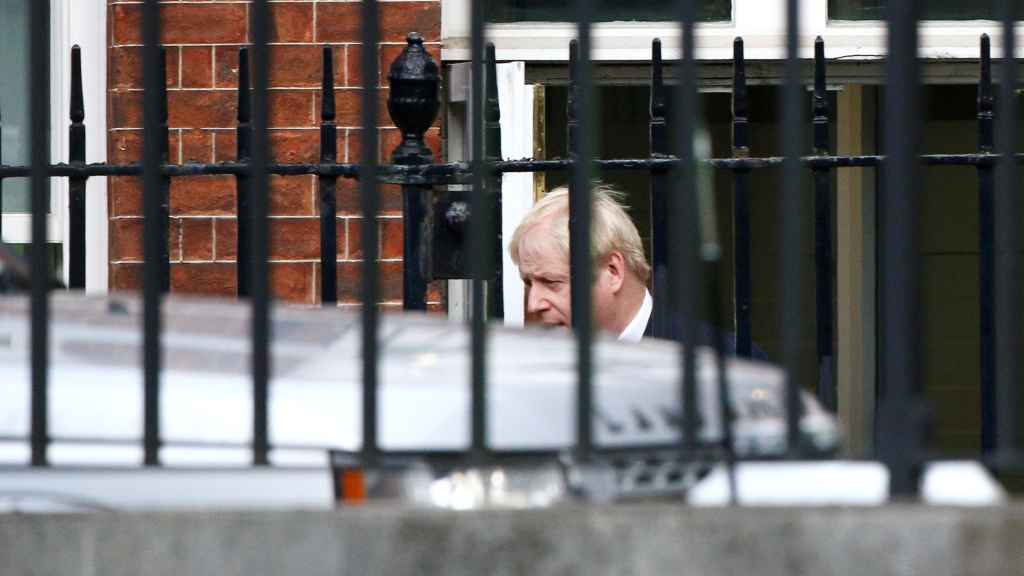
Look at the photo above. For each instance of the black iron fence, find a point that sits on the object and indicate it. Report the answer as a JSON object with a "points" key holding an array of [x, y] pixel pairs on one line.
{"points": [[684, 253]]}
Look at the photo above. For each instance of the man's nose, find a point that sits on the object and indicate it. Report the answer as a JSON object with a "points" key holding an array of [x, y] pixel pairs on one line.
{"points": [[535, 302]]}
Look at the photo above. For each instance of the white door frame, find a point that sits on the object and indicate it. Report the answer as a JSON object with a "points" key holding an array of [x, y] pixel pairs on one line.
{"points": [[515, 100], [82, 22]]}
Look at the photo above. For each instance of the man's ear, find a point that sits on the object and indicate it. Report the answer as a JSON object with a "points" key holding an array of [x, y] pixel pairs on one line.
{"points": [[615, 265]]}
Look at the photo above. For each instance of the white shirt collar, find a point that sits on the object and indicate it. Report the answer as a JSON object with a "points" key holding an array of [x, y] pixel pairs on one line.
{"points": [[634, 331]]}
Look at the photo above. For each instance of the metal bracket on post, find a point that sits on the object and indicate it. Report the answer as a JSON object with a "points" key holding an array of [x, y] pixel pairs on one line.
{"points": [[448, 237], [449, 233]]}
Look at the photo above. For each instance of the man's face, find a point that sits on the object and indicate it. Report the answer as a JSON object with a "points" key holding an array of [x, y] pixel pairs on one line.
{"points": [[545, 272]]}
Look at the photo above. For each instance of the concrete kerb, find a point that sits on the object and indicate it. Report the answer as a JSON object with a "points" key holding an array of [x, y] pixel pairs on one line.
{"points": [[630, 539]]}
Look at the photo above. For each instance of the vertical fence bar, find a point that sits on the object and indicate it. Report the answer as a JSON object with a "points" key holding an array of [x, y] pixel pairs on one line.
{"points": [[986, 234], [155, 232], [1007, 291], [260, 269], [683, 234], [243, 153], [327, 186], [414, 212], [791, 219], [76, 184], [164, 219], [492, 153], [368, 203], [823, 208], [480, 231], [741, 202], [39, 141], [583, 95], [702, 243], [659, 143], [901, 422]]}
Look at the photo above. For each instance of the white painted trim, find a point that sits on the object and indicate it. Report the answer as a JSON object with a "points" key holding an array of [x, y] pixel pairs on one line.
{"points": [[60, 106], [82, 22], [459, 291], [515, 99], [761, 23], [856, 309], [92, 37], [18, 228]]}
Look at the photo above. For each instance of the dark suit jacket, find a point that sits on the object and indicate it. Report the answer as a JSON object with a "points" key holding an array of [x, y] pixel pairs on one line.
{"points": [[706, 335]]}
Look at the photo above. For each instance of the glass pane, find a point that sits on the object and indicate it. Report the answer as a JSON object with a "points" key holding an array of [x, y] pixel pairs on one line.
{"points": [[54, 254], [607, 10], [932, 9], [14, 100]]}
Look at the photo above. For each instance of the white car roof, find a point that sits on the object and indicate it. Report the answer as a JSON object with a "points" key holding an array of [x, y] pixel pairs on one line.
{"points": [[95, 412]]}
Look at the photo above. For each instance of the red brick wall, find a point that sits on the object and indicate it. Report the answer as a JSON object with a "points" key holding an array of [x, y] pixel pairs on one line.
{"points": [[202, 40]]}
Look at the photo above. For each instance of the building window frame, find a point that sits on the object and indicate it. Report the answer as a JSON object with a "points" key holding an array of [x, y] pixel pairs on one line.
{"points": [[82, 23], [761, 23]]}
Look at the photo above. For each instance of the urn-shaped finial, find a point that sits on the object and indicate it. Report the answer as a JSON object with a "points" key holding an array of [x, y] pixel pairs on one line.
{"points": [[413, 103]]}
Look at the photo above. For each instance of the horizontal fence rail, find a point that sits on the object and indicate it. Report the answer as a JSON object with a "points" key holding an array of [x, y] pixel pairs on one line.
{"points": [[461, 172], [686, 252]]}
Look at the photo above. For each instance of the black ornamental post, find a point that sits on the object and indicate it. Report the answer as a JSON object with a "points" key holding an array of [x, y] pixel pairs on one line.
{"points": [[823, 252], [413, 104], [327, 186], [76, 184], [660, 182]]}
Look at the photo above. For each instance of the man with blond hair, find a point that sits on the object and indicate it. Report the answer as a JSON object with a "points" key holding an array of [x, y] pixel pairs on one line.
{"points": [[540, 248], [622, 303]]}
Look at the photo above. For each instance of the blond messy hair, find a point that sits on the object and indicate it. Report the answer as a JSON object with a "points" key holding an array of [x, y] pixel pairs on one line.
{"points": [[611, 228]]}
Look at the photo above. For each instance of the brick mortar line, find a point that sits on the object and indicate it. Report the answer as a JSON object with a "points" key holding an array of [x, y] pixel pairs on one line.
{"points": [[315, 5], [213, 66], [184, 45], [314, 128], [315, 43], [314, 193], [314, 286], [314, 2], [271, 261], [391, 216], [345, 56], [347, 241], [212, 3], [233, 89], [341, 44], [213, 249], [227, 128], [348, 305]]}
